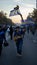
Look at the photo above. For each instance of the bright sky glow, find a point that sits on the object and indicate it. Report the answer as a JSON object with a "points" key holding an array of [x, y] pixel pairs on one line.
{"points": [[26, 6]]}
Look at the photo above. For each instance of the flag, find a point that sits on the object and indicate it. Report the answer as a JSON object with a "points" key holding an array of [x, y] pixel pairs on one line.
{"points": [[14, 12]]}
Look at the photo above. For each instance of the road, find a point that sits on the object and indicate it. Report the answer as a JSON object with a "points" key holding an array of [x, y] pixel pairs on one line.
{"points": [[29, 54]]}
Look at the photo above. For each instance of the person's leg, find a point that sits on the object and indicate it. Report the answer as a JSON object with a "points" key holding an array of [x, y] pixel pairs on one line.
{"points": [[17, 45], [4, 38], [20, 47], [0, 49], [11, 36]]}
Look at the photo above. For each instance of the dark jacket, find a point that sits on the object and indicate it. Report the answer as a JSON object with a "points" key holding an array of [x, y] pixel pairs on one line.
{"points": [[1, 37]]}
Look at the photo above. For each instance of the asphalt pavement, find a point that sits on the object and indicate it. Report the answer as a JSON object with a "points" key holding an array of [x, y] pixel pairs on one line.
{"points": [[29, 52]]}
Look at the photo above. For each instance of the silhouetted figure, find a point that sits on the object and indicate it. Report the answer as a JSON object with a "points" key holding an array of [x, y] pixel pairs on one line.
{"points": [[32, 29], [28, 28], [36, 26], [11, 32]]}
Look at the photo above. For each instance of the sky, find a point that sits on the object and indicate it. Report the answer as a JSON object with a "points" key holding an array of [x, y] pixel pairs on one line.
{"points": [[26, 6]]}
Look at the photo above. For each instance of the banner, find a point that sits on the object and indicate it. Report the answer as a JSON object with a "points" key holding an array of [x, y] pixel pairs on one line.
{"points": [[14, 12]]}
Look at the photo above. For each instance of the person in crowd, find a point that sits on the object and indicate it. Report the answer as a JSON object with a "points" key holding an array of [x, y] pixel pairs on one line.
{"points": [[1, 39], [4, 28], [18, 38], [36, 26], [28, 26], [11, 32], [32, 29]]}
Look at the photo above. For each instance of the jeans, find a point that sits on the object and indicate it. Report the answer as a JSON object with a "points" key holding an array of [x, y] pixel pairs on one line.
{"points": [[19, 44]]}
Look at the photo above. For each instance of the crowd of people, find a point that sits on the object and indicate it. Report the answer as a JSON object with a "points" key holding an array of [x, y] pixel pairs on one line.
{"points": [[17, 34]]}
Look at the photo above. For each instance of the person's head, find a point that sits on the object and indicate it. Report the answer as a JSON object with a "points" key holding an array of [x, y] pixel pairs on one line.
{"points": [[17, 28]]}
